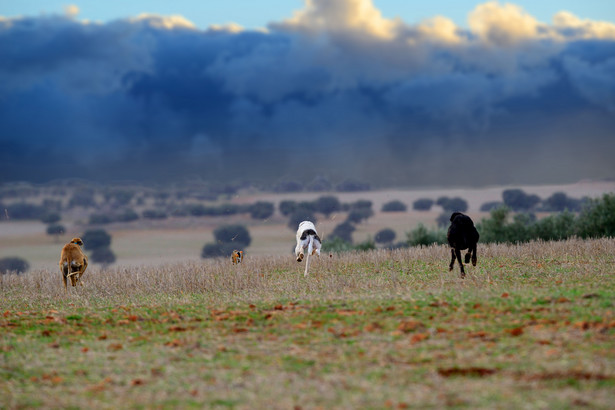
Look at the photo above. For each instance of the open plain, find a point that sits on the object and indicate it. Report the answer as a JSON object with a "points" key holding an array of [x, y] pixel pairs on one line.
{"points": [[532, 326]]}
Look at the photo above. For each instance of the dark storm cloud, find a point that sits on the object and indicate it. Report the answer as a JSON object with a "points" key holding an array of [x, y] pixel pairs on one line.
{"points": [[337, 85]]}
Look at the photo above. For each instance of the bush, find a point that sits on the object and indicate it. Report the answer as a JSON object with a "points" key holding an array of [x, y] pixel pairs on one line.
{"points": [[233, 234], [300, 215], [25, 211], [421, 236], [443, 220], [154, 214], [368, 245], [52, 206], [127, 215], [13, 265], [96, 238], [327, 205], [517, 200], [287, 207], [598, 218], [394, 206], [55, 230], [361, 204], [214, 250], [288, 186], [343, 231], [352, 186], [555, 227], [103, 255], [119, 197], [51, 218], [336, 244], [99, 219], [83, 197], [320, 184], [385, 236], [422, 204], [489, 206], [455, 204], [261, 210], [559, 202], [359, 215]]}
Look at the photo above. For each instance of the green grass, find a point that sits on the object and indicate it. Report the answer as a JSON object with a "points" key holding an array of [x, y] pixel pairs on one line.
{"points": [[530, 326]]}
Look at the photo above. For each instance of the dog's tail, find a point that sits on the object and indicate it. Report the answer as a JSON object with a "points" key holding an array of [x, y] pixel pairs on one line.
{"points": [[309, 253]]}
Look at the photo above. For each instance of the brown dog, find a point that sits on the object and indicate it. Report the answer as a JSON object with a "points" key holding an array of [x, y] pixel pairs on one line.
{"points": [[73, 262], [237, 257]]}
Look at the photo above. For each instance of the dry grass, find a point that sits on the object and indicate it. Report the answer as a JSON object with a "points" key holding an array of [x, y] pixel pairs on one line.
{"points": [[531, 326]]}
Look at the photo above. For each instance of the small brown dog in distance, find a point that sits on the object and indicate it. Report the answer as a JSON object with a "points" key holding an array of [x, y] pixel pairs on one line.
{"points": [[237, 257], [73, 262]]}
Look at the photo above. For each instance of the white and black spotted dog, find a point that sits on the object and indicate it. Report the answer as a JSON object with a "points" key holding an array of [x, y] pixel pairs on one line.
{"points": [[308, 242]]}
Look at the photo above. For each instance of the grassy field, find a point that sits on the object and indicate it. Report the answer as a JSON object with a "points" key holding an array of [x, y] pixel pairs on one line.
{"points": [[532, 326], [174, 240]]}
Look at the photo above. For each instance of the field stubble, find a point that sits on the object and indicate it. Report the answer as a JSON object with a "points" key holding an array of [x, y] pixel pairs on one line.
{"points": [[531, 326]]}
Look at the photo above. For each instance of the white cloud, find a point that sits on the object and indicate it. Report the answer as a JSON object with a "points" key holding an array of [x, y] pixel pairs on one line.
{"points": [[164, 22], [71, 10], [502, 25], [342, 16], [570, 26]]}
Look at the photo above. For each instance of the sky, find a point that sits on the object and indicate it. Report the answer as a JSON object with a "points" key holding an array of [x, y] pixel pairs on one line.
{"points": [[254, 14], [408, 93]]}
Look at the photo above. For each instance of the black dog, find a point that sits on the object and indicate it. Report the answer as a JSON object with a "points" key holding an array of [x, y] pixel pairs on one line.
{"points": [[462, 235]]}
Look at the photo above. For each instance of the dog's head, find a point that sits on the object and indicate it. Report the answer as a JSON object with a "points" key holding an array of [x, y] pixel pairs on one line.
{"points": [[77, 241], [455, 215]]}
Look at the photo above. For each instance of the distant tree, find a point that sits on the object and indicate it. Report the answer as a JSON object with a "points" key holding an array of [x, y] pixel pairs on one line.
{"points": [[154, 214], [361, 204], [55, 230], [51, 218], [307, 206], [261, 210], [394, 206], [598, 218], [444, 219], [327, 205], [288, 186], [300, 215], [83, 197], [336, 244], [352, 186], [422, 204], [488, 206], [25, 210], [287, 207], [96, 238], [214, 250], [343, 231], [103, 255], [320, 184], [422, 236], [385, 236], [119, 197], [559, 202], [233, 234], [518, 200], [368, 245], [13, 265], [52, 206], [359, 215], [100, 219], [455, 204], [128, 215]]}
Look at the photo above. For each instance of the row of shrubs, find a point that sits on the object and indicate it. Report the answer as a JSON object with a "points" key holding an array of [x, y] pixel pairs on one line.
{"points": [[596, 220]]}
